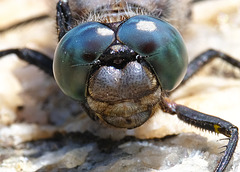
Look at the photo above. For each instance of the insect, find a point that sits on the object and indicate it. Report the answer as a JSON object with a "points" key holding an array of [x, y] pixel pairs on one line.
{"points": [[109, 67]]}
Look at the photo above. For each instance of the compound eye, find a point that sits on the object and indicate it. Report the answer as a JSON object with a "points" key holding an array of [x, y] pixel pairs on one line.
{"points": [[162, 45], [76, 50]]}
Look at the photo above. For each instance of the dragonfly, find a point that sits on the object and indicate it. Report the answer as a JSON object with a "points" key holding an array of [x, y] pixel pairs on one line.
{"points": [[121, 60]]}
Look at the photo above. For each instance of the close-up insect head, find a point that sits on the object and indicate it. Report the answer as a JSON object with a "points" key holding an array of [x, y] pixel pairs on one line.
{"points": [[119, 85]]}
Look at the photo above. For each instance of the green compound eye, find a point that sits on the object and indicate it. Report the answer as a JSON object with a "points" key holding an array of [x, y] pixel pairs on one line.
{"points": [[161, 43], [76, 50]]}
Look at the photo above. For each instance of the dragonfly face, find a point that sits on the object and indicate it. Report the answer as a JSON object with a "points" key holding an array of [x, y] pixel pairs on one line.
{"points": [[120, 68], [118, 60]]}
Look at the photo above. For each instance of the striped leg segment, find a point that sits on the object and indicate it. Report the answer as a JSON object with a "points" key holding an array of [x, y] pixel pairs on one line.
{"points": [[207, 122]]}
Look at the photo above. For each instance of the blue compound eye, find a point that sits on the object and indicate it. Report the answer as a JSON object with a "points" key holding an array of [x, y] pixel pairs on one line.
{"points": [[161, 43], [75, 51]]}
